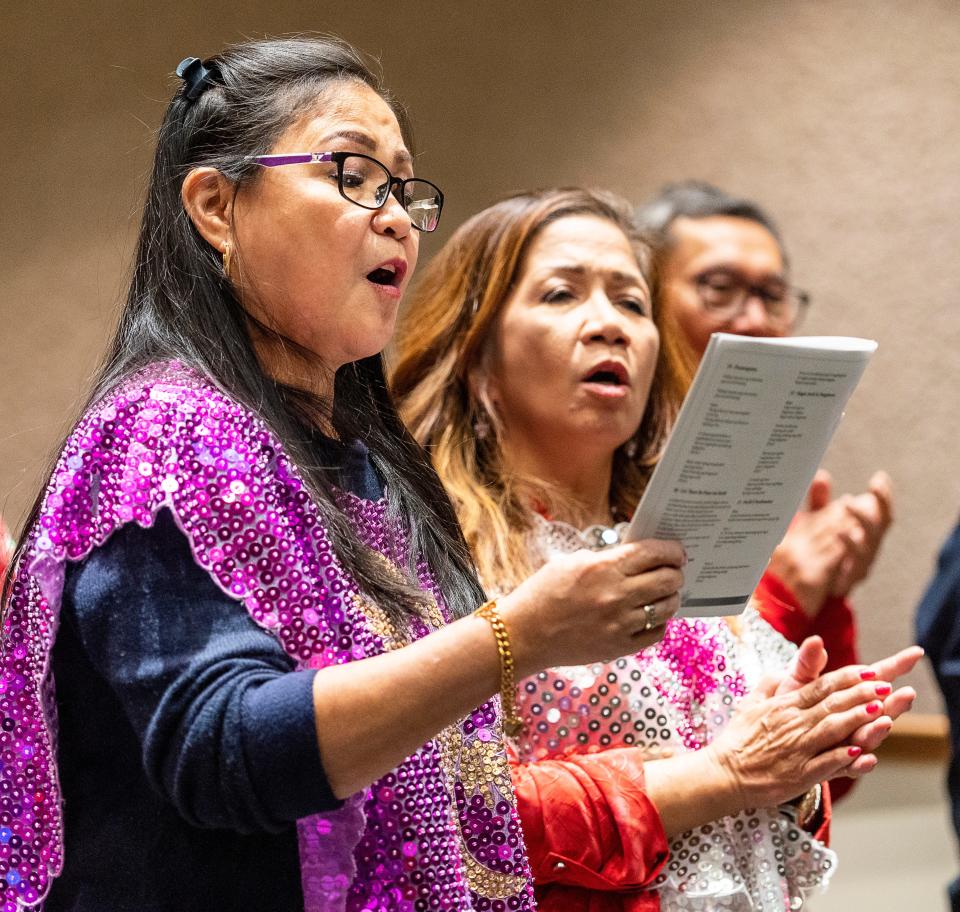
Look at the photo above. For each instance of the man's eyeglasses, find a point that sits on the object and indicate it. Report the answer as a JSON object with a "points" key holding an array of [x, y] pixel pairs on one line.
{"points": [[366, 182], [724, 295]]}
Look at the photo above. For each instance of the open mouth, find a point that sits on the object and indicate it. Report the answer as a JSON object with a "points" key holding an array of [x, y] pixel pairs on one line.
{"points": [[388, 274], [608, 374]]}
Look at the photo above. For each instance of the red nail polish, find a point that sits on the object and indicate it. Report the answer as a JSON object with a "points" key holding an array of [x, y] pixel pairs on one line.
{"points": [[883, 690], [873, 708], [854, 751], [868, 674]]}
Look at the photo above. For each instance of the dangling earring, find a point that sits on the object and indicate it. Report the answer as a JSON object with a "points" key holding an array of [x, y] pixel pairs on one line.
{"points": [[481, 426], [227, 258], [631, 448]]}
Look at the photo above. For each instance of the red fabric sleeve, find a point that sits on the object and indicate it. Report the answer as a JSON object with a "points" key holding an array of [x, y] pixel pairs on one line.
{"points": [[594, 838], [835, 623], [826, 810], [780, 609]]}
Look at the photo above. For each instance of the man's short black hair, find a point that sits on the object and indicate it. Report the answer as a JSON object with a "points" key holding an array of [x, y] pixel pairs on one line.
{"points": [[698, 199]]}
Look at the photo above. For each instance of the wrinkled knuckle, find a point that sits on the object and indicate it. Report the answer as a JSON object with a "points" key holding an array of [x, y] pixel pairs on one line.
{"points": [[607, 602], [614, 632], [829, 704], [820, 689]]}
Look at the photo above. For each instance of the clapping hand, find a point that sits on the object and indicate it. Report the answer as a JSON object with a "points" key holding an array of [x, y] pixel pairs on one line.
{"points": [[832, 543], [808, 664]]}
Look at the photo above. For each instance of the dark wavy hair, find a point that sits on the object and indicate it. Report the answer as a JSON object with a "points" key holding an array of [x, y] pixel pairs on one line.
{"points": [[696, 199], [180, 306]]}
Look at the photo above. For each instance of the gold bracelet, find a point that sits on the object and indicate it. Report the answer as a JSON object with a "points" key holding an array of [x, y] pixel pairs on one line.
{"points": [[512, 723]]}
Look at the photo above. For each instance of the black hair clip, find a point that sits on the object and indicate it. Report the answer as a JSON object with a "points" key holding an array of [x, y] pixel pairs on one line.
{"points": [[197, 77]]}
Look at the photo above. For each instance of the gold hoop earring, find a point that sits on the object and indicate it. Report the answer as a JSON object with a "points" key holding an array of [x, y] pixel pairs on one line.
{"points": [[227, 258]]}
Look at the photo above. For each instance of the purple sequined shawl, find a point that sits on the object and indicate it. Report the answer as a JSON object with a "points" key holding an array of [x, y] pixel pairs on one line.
{"points": [[438, 832]]}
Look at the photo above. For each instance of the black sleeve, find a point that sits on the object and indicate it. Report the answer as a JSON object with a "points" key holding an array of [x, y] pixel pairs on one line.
{"points": [[938, 631], [225, 723], [938, 615]]}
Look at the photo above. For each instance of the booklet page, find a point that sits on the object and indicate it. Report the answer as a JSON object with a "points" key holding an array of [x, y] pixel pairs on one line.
{"points": [[749, 439]]}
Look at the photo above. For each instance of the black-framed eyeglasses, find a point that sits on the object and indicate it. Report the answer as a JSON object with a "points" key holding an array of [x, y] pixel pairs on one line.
{"points": [[724, 294], [366, 182]]}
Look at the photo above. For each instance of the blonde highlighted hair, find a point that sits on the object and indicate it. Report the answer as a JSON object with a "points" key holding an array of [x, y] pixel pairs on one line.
{"points": [[442, 339]]}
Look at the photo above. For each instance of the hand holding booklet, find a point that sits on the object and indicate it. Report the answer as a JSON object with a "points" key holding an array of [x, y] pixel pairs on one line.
{"points": [[749, 439]]}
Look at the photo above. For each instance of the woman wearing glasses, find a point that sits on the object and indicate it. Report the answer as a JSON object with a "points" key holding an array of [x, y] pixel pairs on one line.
{"points": [[218, 690], [531, 365]]}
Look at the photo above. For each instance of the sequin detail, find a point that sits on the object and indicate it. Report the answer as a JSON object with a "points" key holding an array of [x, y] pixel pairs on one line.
{"points": [[675, 697], [167, 438], [489, 834], [478, 775]]}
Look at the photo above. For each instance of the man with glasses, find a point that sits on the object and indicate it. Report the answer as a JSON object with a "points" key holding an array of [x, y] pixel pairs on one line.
{"points": [[723, 268]]}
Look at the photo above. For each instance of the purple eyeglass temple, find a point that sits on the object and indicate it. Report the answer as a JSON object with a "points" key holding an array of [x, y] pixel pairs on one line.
{"points": [[297, 158]]}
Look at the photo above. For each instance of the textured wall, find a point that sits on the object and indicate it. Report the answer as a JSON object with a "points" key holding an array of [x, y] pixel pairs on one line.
{"points": [[841, 116]]}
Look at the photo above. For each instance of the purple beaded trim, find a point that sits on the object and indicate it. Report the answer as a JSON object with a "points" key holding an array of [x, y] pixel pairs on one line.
{"points": [[167, 438]]}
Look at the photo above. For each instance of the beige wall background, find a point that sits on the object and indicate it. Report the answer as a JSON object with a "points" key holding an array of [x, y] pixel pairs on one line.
{"points": [[842, 117]]}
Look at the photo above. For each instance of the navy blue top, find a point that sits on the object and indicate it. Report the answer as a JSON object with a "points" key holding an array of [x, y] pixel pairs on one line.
{"points": [[187, 745], [938, 632]]}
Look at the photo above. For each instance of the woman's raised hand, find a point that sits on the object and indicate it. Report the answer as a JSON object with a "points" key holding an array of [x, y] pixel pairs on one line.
{"points": [[590, 606], [778, 745], [809, 662]]}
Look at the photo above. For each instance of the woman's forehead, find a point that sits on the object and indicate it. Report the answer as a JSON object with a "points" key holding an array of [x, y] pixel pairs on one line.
{"points": [[348, 116], [583, 243]]}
